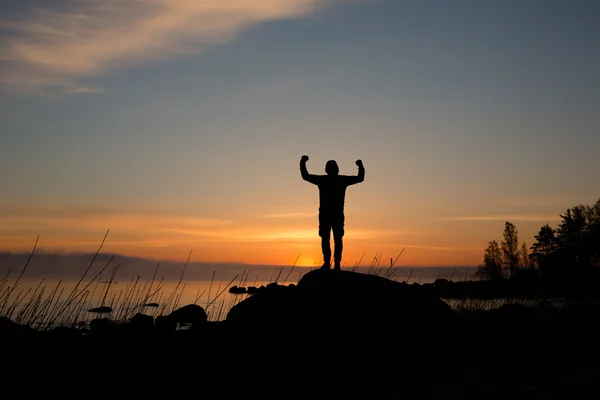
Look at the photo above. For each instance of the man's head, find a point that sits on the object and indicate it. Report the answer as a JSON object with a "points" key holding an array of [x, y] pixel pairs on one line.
{"points": [[331, 168]]}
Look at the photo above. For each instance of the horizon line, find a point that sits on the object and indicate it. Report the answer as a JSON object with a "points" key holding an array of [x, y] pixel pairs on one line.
{"points": [[230, 263]]}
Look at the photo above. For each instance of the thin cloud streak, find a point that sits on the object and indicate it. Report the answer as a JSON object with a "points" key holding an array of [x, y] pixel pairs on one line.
{"points": [[441, 248], [53, 50], [433, 247], [291, 215], [76, 227], [523, 218], [40, 212]]}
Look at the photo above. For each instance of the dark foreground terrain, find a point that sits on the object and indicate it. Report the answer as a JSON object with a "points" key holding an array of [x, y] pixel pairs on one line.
{"points": [[334, 335]]}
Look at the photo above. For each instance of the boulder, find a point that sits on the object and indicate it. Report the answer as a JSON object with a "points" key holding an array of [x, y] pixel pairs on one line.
{"points": [[349, 296], [101, 310], [7, 325], [269, 305], [142, 322], [190, 314], [165, 324], [11, 328], [64, 332], [237, 290], [103, 326], [345, 301]]}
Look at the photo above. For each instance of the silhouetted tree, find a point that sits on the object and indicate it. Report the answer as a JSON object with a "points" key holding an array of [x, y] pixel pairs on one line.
{"points": [[524, 256], [571, 234], [510, 248], [543, 250], [569, 252], [594, 234], [573, 249], [578, 240], [491, 269]]}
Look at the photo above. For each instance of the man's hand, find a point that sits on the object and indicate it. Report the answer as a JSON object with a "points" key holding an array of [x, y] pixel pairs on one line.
{"points": [[304, 159], [359, 163]]}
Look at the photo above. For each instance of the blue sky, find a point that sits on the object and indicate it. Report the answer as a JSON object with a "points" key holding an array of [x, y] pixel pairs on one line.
{"points": [[465, 113]]}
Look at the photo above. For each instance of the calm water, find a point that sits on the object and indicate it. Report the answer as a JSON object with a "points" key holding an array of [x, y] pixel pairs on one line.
{"points": [[125, 298], [44, 302]]}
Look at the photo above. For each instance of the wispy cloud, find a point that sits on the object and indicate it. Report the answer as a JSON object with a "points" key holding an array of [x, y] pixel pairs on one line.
{"points": [[442, 248], [524, 218], [55, 48], [297, 235], [432, 247], [80, 225], [557, 200], [68, 226], [291, 215]]}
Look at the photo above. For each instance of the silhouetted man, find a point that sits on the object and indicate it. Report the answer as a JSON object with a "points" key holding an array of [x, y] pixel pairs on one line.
{"points": [[332, 193]]}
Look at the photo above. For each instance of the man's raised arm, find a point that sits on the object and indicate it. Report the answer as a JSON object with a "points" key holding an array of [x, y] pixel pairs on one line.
{"points": [[361, 174], [304, 172]]}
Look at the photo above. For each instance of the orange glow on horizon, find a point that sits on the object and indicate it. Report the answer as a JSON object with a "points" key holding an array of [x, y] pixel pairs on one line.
{"points": [[262, 240]]}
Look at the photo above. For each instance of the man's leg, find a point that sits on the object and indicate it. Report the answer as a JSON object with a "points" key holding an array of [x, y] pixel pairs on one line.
{"points": [[325, 234], [338, 234]]}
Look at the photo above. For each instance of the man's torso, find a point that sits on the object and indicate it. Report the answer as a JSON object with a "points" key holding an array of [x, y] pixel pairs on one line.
{"points": [[332, 194]]}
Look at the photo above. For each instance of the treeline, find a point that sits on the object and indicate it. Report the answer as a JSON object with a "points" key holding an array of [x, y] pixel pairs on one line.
{"points": [[571, 252]]}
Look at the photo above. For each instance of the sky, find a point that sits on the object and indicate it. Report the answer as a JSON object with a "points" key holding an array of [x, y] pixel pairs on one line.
{"points": [[179, 125]]}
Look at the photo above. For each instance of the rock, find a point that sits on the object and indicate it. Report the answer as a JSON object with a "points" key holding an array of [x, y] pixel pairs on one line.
{"points": [[345, 301], [267, 306], [142, 322], [6, 325], [17, 338], [65, 331], [441, 282], [165, 324], [11, 328], [375, 299], [237, 290], [103, 326], [190, 314], [101, 310]]}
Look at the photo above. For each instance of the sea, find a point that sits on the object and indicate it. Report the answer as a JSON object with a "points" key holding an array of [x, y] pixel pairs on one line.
{"points": [[51, 290]]}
